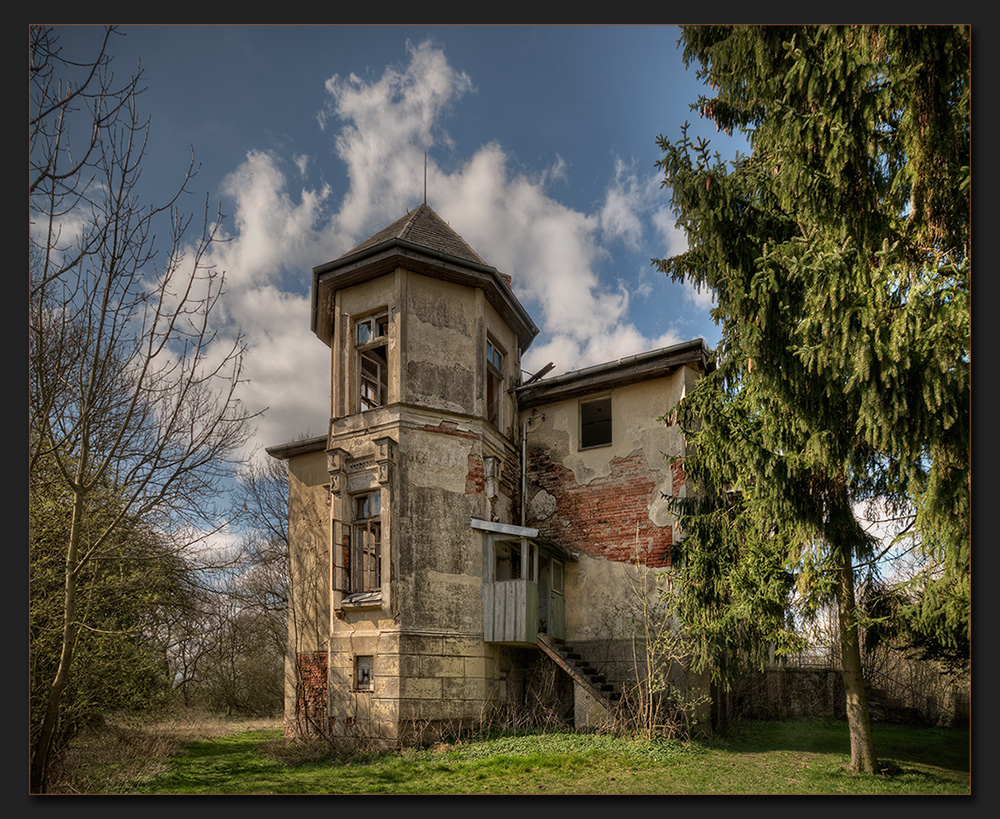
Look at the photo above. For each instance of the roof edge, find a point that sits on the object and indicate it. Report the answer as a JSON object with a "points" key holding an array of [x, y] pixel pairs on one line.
{"points": [[622, 371], [301, 447], [405, 249]]}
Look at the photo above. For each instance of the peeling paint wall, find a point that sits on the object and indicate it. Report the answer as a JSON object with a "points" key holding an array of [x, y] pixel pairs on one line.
{"points": [[608, 504], [608, 501], [309, 587], [448, 465]]}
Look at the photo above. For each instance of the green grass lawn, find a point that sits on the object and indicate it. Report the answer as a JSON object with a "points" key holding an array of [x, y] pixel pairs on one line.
{"points": [[801, 757]]}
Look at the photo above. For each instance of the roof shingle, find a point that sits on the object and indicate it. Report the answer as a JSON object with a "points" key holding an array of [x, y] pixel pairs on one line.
{"points": [[424, 227]]}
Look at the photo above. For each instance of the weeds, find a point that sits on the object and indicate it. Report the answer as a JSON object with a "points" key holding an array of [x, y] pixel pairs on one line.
{"points": [[124, 752], [200, 754], [809, 757]]}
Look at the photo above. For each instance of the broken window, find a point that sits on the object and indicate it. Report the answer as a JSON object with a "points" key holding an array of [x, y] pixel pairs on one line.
{"points": [[372, 343], [366, 543], [508, 564], [508, 560], [595, 422], [494, 382], [363, 673]]}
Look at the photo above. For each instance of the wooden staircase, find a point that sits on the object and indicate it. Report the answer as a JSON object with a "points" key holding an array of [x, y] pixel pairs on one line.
{"points": [[570, 661]]}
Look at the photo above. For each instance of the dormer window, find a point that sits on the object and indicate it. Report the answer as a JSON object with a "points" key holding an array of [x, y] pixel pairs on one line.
{"points": [[494, 382], [371, 339]]}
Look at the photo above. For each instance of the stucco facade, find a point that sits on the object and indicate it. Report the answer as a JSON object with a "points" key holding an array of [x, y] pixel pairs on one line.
{"points": [[454, 517]]}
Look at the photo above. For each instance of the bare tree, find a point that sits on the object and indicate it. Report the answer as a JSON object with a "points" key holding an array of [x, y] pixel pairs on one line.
{"points": [[262, 495], [132, 389]]}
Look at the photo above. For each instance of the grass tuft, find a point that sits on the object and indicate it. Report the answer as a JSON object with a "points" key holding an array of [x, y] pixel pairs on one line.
{"points": [[797, 757]]}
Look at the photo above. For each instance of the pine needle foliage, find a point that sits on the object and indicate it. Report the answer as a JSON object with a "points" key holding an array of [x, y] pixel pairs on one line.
{"points": [[838, 253]]}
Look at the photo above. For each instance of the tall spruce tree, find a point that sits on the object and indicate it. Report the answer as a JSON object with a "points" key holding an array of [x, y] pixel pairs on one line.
{"points": [[838, 252]]}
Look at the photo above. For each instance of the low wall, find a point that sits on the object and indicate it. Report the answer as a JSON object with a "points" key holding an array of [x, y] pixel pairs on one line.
{"points": [[789, 692], [803, 692]]}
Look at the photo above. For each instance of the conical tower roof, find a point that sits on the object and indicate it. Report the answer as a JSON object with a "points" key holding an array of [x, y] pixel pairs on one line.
{"points": [[423, 227], [423, 242]]}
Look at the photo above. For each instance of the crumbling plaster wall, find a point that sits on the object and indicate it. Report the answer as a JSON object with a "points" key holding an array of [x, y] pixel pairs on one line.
{"points": [[608, 501], [441, 343], [309, 583], [430, 663], [609, 505]]}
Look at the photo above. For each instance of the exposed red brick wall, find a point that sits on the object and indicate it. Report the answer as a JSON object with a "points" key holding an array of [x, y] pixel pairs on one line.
{"points": [[607, 517], [310, 693], [451, 428], [677, 468], [475, 481]]}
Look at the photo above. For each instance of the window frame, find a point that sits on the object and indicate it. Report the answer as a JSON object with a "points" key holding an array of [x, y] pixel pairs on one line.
{"points": [[589, 428], [363, 662], [365, 544], [495, 358], [371, 346]]}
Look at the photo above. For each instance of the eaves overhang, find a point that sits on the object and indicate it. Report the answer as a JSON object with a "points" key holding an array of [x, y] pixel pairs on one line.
{"points": [[528, 532], [302, 447], [633, 369], [386, 257]]}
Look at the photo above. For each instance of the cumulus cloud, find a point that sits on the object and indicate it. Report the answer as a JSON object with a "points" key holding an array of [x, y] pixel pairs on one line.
{"points": [[627, 203], [384, 128], [380, 130], [674, 242]]}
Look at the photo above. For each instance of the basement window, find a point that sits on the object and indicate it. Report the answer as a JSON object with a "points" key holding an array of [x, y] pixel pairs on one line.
{"points": [[371, 339], [595, 422], [364, 667]]}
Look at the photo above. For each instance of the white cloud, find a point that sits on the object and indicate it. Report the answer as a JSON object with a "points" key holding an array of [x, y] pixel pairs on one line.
{"points": [[273, 232], [380, 131], [386, 127], [288, 368], [703, 298], [674, 242], [671, 238], [627, 203]]}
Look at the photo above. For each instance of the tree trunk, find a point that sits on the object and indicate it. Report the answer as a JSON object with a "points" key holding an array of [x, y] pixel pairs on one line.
{"points": [[41, 753], [858, 721]]}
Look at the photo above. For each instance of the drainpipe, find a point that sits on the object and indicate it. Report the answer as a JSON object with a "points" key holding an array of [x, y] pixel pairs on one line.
{"points": [[524, 471]]}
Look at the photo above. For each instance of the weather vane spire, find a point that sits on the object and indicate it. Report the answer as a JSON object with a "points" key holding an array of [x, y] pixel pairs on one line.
{"points": [[425, 177]]}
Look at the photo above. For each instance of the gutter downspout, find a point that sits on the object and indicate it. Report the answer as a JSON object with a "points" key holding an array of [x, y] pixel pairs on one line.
{"points": [[524, 472]]}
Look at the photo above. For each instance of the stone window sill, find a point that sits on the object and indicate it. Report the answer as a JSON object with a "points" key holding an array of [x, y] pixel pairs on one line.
{"points": [[362, 600]]}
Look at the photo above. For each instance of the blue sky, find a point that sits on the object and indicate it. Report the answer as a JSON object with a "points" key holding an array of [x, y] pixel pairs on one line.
{"points": [[540, 141]]}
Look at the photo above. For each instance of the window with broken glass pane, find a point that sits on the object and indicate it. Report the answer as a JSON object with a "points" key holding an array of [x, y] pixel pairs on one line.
{"points": [[366, 543], [363, 673], [371, 341], [494, 382]]}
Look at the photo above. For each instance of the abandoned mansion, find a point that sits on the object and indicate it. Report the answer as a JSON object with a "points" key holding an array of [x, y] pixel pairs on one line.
{"points": [[463, 536]]}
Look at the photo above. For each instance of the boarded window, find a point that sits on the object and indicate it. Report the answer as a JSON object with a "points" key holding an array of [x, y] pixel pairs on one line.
{"points": [[366, 543], [371, 341], [595, 422]]}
